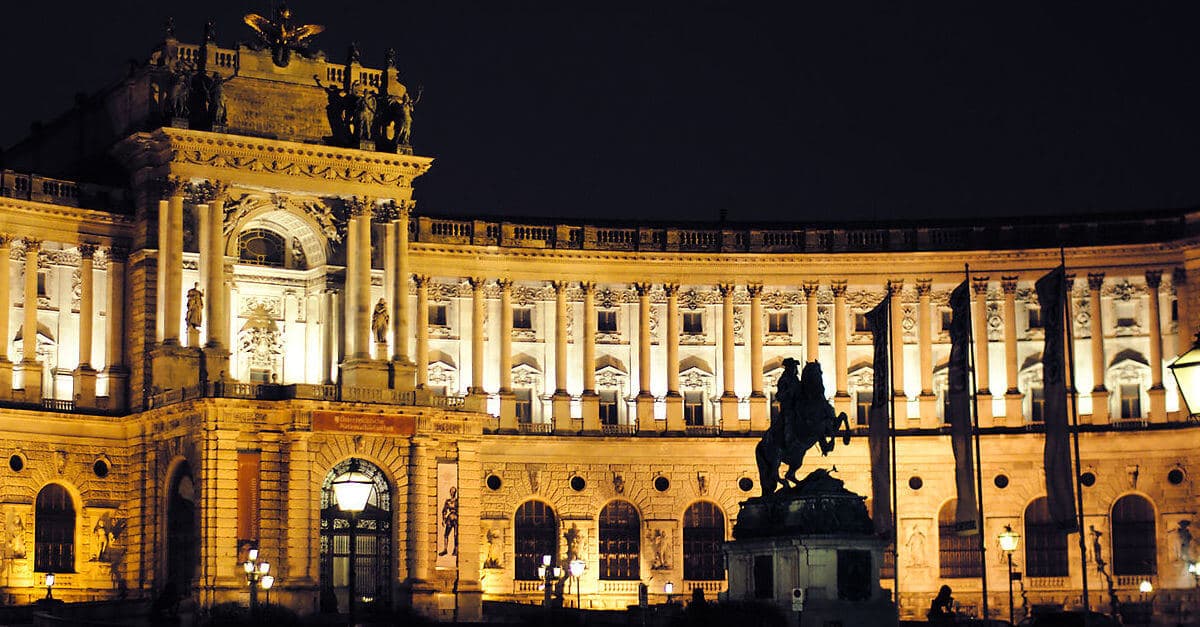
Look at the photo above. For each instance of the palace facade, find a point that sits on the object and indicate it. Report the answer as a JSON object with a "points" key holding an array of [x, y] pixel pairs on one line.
{"points": [[231, 312]]}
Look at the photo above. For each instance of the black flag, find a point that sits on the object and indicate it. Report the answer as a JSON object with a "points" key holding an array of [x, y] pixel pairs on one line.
{"points": [[958, 411], [1060, 486], [878, 432]]}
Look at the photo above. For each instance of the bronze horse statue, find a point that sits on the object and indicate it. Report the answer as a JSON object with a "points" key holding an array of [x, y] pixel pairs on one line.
{"points": [[805, 419]]}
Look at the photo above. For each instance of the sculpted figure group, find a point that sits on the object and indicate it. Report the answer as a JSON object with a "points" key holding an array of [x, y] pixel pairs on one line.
{"points": [[359, 113]]}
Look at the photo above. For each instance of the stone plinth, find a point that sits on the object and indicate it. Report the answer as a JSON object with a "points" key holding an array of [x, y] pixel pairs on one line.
{"points": [[365, 373], [817, 537], [173, 367]]}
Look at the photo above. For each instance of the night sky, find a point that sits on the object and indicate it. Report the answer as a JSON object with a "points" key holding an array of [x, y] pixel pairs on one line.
{"points": [[662, 110]]}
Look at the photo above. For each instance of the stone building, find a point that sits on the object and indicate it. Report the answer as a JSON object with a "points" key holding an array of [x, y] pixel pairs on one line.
{"points": [[231, 297]]}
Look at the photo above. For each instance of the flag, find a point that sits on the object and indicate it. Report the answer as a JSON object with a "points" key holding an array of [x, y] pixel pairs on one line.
{"points": [[1060, 485], [958, 411], [878, 432]]}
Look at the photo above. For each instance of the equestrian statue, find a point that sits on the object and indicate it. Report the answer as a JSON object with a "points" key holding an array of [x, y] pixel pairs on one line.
{"points": [[805, 419]]}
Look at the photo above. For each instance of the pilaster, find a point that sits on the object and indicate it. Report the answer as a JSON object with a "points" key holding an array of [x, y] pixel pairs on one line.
{"points": [[422, 320], [895, 288], [1100, 414], [30, 368], [841, 322], [979, 285], [1012, 396], [1158, 395]]}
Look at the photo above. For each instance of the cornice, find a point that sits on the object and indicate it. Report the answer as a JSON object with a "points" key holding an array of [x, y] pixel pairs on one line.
{"points": [[62, 223]]}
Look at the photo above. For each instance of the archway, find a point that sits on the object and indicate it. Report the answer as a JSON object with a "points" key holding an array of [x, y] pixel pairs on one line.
{"points": [[183, 539], [372, 543]]}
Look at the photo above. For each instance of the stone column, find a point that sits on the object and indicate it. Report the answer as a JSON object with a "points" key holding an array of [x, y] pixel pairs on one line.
{"points": [[422, 319], [1013, 410], [214, 259], [1158, 395], [561, 401], [5, 307], [760, 415], [841, 335], [350, 286], [674, 399], [729, 399], [645, 400], [401, 310], [31, 368], [173, 281], [362, 278], [328, 313], [422, 538], [895, 287], [508, 408], [478, 313], [590, 401], [812, 341], [1100, 414], [117, 371], [979, 285], [84, 375], [359, 370], [925, 321], [1183, 327]]}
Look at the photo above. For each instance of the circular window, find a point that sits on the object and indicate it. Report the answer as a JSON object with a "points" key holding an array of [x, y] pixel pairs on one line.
{"points": [[746, 484], [100, 468], [1088, 479], [1001, 481], [915, 483], [578, 484], [1175, 476], [17, 463], [662, 483], [493, 482]]}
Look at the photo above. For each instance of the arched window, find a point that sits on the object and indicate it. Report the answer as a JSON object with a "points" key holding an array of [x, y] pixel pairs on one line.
{"points": [[958, 556], [261, 247], [1135, 551], [703, 539], [372, 538], [54, 531], [1045, 544], [536, 534], [620, 542]]}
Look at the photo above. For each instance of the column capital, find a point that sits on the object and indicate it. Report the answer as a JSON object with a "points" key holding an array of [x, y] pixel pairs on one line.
{"points": [[810, 289], [87, 250], [1179, 275], [1153, 279], [1095, 281], [726, 289], [422, 280], [979, 284], [1008, 284], [205, 192], [387, 212], [895, 286], [477, 283], [755, 289], [671, 289], [643, 288], [560, 286], [839, 288], [32, 244], [1069, 280], [170, 186], [359, 206], [588, 287], [6, 240], [504, 284], [924, 287], [118, 254]]}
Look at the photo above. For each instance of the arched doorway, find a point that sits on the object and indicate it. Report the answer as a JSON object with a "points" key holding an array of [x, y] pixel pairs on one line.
{"points": [[54, 531], [372, 543], [1134, 544], [703, 541], [183, 540], [535, 532]]}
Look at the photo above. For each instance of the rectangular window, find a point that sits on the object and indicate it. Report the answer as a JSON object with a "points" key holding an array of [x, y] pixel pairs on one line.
{"points": [[522, 318], [860, 323], [693, 323], [764, 576], [608, 407], [437, 315], [1035, 317], [606, 321], [777, 322], [41, 284], [523, 400], [1131, 401], [1037, 404], [862, 404], [1175, 311], [1126, 315], [693, 409], [947, 318]]}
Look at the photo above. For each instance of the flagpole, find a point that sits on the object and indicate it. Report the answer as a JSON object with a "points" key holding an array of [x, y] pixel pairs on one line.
{"points": [[1067, 326], [892, 447], [978, 464]]}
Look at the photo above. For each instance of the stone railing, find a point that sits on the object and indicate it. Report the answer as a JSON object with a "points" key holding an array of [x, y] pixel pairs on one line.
{"points": [[827, 238], [58, 191], [702, 429], [298, 391], [709, 587], [535, 428]]}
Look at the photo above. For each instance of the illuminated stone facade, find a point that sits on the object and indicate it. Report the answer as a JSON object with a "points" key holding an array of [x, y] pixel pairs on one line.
{"points": [[589, 391]]}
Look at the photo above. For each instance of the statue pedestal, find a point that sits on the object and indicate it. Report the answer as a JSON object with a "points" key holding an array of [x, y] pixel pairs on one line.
{"points": [[85, 387], [173, 367], [364, 373], [817, 537]]}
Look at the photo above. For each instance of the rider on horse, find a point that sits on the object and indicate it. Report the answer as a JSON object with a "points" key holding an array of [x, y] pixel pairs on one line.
{"points": [[805, 419]]}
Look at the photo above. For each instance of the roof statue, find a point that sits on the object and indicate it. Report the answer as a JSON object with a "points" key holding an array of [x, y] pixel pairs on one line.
{"points": [[281, 36]]}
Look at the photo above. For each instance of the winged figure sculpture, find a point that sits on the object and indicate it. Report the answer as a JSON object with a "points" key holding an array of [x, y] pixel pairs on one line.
{"points": [[281, 35]]}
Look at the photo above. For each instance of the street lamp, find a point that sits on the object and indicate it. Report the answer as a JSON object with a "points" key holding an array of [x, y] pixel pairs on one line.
{"points": [[1186, 369], [351, 490], [267, 582], [1145, 587], [1009, 540], [1194, 569], [255, 571], [548, 574], [49, 586], [669, 589], [576, 567]]}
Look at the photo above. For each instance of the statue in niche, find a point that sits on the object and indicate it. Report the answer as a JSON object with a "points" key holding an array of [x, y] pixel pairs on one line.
{"points": [[195, 307], [660, 544], [574, 538], [916, 546], [805, 420], [281, 36], [1184, 549], [379, 321], [16, 540], [495, 549]]}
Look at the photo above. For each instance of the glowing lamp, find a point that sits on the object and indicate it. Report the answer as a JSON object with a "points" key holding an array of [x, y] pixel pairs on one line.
{"points": [[1186, 369], [352, 489], [267, 582], [1145, 587], [576, 566], [1009, 539]]}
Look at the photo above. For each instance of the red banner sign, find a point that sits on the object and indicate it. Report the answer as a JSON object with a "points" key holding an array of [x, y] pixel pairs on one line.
{"points": [[248, 493], [363, 423]]}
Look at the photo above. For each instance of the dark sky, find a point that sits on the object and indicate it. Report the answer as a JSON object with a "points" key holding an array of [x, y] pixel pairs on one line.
{"points": [[671, 110]]}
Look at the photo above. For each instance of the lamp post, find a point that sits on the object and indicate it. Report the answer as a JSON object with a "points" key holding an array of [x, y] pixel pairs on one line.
{"points": [[1186, 370], [576, 567], [351, 489], [548, 574], [267, 582], [255, 571], [1009, 540], [49, 586], [669, 589]]}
